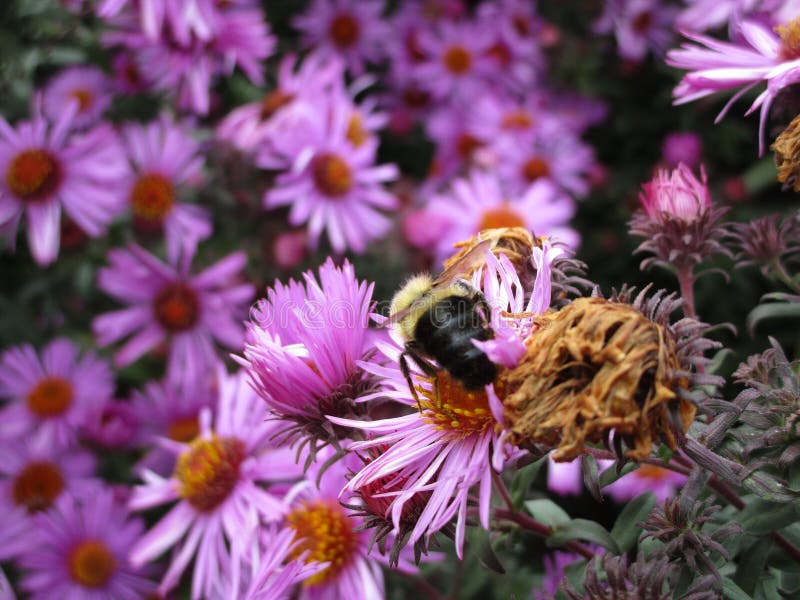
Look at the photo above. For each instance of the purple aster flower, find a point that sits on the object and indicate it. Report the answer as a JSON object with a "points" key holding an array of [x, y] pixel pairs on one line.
{"points": [[677, 194], [453, 439], [315, 335], [564, 478], [168, 303], [44, 169], [218, 484], [638, 25], [481, 201], [763, 55], [647, 478], [89, 87], [331, 183], [168, 409], [52, 396], [351, 29], [702, 15], [682, 147], [116, 427], [164, 158], [81, 551], [459, 141]]}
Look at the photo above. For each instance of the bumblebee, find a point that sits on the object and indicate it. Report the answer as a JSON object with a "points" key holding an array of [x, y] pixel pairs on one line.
{"points": [[439, 319]]}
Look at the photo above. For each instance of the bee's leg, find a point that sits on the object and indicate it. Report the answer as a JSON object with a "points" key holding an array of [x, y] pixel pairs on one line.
{"points": [[426, 367]]}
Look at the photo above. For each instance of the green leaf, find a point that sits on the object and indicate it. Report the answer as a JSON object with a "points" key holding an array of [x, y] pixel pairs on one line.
{"points": [[548, 512], [751, 564], [733, 591], [583, 529], [626, 528], [761, 517], [486, 554], [590, 476], [773, 310], [522, 480]]}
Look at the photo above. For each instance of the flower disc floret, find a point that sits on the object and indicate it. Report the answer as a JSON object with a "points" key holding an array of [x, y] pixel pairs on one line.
{"points": [[152, 197], [332, 175], [451, 407], [177, 307], [33, 175], [37, 486], [50, 397], [790, 39], [501, 216], [344, 30], [91, 563], [457, 59], [209, 471]]}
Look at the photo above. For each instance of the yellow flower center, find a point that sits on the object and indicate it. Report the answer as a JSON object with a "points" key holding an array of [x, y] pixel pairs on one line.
{"points": [[456, 409], [91, 563], [344, 30], [177, 307], [273, 102], [33, 175], [84, 98], [457, 60], [790, 39], [209, 471], [534, 168], [356, 133], [324, 530], [50, 397], [152, 197], [37, 486], [500, 216], [184, 430], [332, 175]]}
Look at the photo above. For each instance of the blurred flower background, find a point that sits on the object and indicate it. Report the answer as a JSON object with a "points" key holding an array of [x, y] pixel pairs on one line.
{"points": [[166, 163]]}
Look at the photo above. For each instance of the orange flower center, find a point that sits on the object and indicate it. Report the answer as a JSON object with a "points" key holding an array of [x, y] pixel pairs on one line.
{"points": [[324, 530], [50, 397], [209, 470], [457, 59], [356, 133], [344, 30], [790, 39], [501, 216], [37, 486], [273, 102], [456, 409], [152, 197], [331, 174], [84, 98], [184, 430], [91, 563], [652, 472], [517, 119], [33, 175], [534, 168], [177, 307], [466, 145]]}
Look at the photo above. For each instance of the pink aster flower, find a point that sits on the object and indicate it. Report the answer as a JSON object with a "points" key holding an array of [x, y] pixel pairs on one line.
{"points": [[677, 194], [116, 427], [169, 410], [89, 87], [354, 30], [221, 485], [168, 303], [450, 443], [647, 478], [165, 158], [702, 15], [332, 183], [763, 55], [54, 395], [81, 551], [481, 201], [315, 335], [44, 169], [638, 25]]}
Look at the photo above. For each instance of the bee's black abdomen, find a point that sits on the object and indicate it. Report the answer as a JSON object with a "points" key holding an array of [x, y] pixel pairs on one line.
{"points": [[446, 332]]}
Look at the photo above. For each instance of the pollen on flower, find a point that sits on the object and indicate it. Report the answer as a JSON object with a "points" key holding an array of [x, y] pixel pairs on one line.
{"points": [[184, 430], [273, 102], [534, 168], [325, 531], [787, 155], [501, 216], [152, 198], [37, 486], [209, 471], [177, 307], [84, 98], [33, 175], [457, 60], [450, 406], [50, 397], [331, 174], [790, 39], [356, 133], [91, 563], [344, 30]]}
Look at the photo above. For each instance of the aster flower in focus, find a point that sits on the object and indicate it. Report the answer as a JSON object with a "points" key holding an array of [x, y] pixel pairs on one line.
{"points": [[168, 303], [164, 158], [763, 55], [353, 30], [304, 348], [332, 184], [89, 87], [81, 551], [638, 25], [221, 485], [52, 394], [45, 169]]}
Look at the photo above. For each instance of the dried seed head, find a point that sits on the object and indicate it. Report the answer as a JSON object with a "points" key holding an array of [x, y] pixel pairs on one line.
{"points": [[787, 155], [766, 241], [616, 578], [594, 367]]}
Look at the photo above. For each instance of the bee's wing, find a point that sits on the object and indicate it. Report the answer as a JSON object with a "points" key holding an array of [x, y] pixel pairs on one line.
{"points": [[471, 259]]}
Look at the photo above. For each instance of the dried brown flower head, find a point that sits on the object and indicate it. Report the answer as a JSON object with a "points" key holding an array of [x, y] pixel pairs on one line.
{"points": [[787, 155], [598, 366]]}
